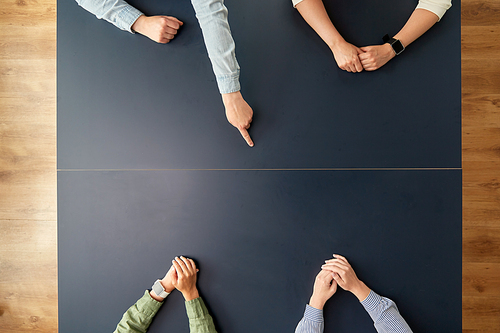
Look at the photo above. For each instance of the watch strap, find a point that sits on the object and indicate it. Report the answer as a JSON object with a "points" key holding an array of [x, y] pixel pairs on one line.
{"points": [[396, 44], [159, 290]]}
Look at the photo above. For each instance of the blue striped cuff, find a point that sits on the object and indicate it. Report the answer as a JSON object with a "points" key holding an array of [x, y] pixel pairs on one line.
{"points": [[371, 301], [313, 314]]}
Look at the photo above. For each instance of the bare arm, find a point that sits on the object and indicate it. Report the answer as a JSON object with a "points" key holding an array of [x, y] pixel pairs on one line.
{"points": [[419, 22], [346, 54]]}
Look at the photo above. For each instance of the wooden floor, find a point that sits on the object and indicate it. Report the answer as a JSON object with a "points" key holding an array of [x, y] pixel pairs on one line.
{"points": [[28, 203]]}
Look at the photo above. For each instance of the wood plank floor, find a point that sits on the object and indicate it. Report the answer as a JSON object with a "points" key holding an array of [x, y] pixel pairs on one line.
{"points": [[28, 203], [481, 165]]}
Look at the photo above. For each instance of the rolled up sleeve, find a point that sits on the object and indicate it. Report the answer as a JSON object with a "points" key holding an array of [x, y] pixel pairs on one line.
{"points": [[117, 12], [438, 7]]}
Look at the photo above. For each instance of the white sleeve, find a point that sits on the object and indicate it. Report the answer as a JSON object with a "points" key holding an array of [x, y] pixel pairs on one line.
{"points": [[438, 7], [296, 2]]}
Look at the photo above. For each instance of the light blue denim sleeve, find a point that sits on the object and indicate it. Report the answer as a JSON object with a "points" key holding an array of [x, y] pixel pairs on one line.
{"points": [[385, 314], [212, 16], [117, 12], [312, 322]]}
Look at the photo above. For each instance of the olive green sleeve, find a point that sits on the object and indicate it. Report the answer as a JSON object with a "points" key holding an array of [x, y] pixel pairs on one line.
{"points": [[200, 320], [139, 316]]}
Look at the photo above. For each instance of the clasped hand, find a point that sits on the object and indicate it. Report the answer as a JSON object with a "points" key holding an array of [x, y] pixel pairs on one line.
{"points": [[182, 276], [336, 272], [353, 59]]}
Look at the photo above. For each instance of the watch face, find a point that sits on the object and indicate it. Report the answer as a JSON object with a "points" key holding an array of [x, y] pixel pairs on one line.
{"points": [[157, 288], [398, 47]]}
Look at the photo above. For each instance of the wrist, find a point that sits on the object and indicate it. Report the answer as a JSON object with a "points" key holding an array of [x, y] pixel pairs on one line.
{"points": [[231, 96], [389, 51], [190, 295], [167, 286], [361, 291], [155, 297], [336, 42], [317, 302], [137, 25]]}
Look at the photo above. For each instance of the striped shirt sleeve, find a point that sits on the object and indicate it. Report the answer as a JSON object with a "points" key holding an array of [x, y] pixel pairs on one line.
{"points": [[312, 322], [385, 314]]}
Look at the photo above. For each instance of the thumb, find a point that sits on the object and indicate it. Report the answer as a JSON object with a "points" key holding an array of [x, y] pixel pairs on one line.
{"points": [[360, 50]]}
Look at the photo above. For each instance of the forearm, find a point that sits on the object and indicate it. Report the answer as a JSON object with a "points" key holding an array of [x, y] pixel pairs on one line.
{"points": [[116, 12], [139, 316], [200, 320], [419, 22], [360, 290], [212, 17], [314, 13], [312, 322], [385, 314], [438, 7]]}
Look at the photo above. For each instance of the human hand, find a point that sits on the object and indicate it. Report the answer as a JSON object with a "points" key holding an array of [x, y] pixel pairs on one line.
{"points": [[346, 56], [239, 114], [185, 279], [167, 281], [345, 276], [374, 57], [324, 288], [161, 29]]}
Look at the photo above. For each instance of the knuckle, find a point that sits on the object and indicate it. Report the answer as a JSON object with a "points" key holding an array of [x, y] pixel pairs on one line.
{"points": [[163, 21]]}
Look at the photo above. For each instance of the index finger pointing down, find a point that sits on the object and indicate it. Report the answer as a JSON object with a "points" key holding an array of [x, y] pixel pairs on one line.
{"points": [[246, 136]]}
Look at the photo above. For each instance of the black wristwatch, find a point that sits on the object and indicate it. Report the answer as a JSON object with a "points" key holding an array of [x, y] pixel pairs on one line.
{"points": [[396, 44]]}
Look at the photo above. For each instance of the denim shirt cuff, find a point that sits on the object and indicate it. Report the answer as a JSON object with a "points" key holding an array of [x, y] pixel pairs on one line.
{"points": [[229, 83], [128, 16]]}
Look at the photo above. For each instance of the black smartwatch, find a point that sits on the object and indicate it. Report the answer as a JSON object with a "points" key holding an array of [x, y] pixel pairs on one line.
{"points": [[396, 44]]}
